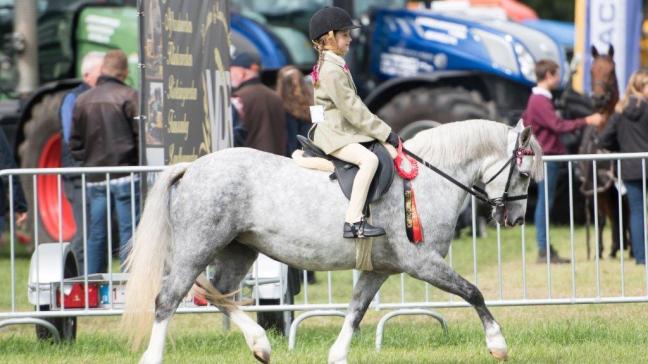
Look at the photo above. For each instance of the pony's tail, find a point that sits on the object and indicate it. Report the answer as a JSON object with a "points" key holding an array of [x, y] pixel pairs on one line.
{"points": [[145, 263]]}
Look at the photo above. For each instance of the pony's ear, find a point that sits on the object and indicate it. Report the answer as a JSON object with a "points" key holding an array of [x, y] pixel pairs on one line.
{"points": [[519, 126], [611, 51], [595, 52], [525, 136]]}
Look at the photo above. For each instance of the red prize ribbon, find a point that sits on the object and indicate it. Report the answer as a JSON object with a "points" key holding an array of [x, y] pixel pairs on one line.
{"points": [[398, 163]]}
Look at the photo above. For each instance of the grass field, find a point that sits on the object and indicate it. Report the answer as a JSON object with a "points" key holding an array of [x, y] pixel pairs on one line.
{"points": [[540, 334]]}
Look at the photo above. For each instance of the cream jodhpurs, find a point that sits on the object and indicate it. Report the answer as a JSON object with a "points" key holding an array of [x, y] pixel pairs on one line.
{"points": [[367, 161]]}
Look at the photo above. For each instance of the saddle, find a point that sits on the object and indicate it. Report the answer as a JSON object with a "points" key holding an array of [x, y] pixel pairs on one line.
{"points": [[345, 172]]}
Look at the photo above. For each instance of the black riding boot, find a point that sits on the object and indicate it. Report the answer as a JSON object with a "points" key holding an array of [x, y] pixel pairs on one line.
{"points": [[361, 229]]}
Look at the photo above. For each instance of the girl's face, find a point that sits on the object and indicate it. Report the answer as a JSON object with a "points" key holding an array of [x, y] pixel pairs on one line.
{"points": [[338, 42], [343, 41]]}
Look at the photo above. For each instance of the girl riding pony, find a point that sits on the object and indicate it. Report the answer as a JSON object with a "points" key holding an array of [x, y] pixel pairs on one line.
{"points": [[347, 121]]}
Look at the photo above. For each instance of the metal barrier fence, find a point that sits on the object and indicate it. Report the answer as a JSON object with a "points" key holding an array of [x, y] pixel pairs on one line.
{"points": [[498, 265]]}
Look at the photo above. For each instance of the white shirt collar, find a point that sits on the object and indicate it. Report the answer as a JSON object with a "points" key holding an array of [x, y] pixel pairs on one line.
{"points": [[542, 91]]}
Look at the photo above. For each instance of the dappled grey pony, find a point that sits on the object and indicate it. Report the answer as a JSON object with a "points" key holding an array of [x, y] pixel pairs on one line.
{"points": [[226, 207]]}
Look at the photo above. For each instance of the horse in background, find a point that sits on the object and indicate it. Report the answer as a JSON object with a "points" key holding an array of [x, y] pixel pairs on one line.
{"points": [[605, 95]]}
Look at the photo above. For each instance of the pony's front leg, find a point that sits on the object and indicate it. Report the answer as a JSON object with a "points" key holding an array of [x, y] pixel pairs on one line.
{"points": [[363, 292], [155, 349], [439, 274]]}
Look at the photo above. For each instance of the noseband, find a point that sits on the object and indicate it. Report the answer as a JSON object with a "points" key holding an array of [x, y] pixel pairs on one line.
{"points": [[608, 90], [518, 154]]}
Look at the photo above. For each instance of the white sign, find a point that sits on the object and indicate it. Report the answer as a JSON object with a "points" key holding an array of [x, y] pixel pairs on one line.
{"points": [[317, 114], [617, 23]]}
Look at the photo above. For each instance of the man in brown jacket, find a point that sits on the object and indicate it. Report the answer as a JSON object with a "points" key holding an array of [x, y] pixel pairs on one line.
{"points": [[260, 108], [106, 134]]}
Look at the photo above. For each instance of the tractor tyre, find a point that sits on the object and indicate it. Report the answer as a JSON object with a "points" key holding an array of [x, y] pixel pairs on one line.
{"points": [[422, 108], [66, 326], [41, 148]]}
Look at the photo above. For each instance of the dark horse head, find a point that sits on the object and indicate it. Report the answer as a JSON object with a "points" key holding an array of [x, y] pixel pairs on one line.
{"points": [[605, 95], [605, 88]]}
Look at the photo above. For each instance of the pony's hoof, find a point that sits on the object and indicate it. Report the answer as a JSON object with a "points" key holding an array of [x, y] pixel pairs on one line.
{"points": [[338, 361], [499, 354], [496, 343], [262, 356], [261, 348], [150, 359]]}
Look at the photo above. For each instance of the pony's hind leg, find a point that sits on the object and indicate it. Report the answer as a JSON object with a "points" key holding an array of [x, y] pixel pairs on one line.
{"points": [[439, 274], [363, 292], [184, 263], [231, 265], [175, 286]]}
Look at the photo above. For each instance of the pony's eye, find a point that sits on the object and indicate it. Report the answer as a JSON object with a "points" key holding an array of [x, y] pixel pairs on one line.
{"points": [[525, 174]]}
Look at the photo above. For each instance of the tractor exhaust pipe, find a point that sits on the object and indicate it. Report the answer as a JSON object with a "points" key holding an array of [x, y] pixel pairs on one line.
{"points": [[25, 44]]}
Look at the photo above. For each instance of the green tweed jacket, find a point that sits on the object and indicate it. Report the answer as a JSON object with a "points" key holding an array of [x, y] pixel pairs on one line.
{"points": [[346, 118]]}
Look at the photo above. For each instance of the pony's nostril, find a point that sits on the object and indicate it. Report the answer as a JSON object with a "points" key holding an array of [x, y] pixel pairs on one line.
{"points": [[519, 221]]}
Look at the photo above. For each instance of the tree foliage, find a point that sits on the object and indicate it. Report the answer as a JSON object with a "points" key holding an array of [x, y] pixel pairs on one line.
{"points": [[552, 9]]}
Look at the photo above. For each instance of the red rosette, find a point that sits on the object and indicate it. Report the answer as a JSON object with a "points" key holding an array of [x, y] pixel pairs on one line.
{"points": [[401, 157]]}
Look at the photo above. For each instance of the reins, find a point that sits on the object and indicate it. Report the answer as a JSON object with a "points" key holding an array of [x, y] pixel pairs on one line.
{"points": [[477, 191]]}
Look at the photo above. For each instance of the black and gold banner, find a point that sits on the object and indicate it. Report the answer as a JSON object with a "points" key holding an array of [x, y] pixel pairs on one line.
{"points": [[186, 85]]}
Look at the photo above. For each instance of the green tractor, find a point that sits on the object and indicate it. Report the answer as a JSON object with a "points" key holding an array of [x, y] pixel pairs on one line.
{"points": [[44, 43]]}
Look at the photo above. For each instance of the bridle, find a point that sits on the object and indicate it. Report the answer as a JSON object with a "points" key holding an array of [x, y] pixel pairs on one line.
{"points": [[480, 193], [609, 87], [608, 90]]}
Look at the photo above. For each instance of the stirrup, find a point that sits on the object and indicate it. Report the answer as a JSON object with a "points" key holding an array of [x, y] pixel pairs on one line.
{"points": [[361, 229]]}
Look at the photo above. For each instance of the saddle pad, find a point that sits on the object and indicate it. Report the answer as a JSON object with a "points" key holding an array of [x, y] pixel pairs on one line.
{"points": [[345, 172]]}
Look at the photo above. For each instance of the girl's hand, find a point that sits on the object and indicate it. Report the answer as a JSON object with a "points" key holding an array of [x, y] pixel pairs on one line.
{"points": [[393, 139], [594, 119]]}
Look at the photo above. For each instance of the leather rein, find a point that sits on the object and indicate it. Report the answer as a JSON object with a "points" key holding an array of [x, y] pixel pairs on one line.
{"points": [[477, 191]]}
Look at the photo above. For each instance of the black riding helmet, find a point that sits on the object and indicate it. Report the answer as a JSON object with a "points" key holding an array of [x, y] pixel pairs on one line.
{"points": [[327, 19]]}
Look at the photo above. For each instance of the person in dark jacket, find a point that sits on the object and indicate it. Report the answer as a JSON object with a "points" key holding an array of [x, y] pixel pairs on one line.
{"points": [[7, 161], [296, 95], [627, 132], [105, 134], [547, 127], [260, 110], [90, 70]]}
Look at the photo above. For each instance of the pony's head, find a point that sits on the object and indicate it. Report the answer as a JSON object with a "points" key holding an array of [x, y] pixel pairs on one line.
{"points": [[507, 179], [605, 89], [503, 158]]}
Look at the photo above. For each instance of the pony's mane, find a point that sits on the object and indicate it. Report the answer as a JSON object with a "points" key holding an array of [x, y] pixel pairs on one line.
{"points": [[456, 143]]}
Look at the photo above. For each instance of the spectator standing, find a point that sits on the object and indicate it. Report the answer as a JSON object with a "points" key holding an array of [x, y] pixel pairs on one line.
{"points": [[105, 134], [258, 118], [627, 132], [7, 161], [547, 127], [296, 95], [90, 71], [260, 109]]}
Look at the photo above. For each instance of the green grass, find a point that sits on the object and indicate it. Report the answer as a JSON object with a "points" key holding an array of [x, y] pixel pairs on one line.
{"points": [[540, 334]]}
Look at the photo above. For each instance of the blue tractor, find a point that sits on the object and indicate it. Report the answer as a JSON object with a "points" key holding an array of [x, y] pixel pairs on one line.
{"points": [[415, 68]]}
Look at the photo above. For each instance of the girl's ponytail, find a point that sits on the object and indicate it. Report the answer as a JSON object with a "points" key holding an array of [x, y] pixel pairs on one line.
{"points": [[319, 47]]}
